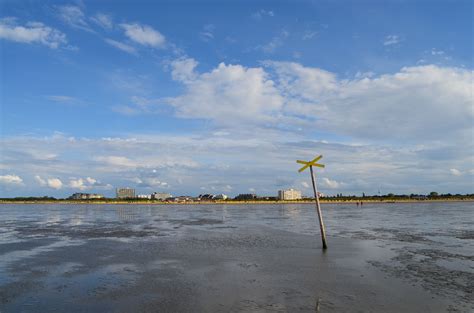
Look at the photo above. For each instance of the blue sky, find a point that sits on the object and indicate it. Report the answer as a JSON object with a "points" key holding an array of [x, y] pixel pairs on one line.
{"points": [[193, 97]]}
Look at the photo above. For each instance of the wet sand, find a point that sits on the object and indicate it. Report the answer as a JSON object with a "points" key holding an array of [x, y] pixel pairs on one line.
{"points": [[204, 265]]}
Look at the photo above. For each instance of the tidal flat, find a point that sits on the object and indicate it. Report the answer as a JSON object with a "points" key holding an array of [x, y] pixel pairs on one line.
{"points": [[403, 257]]}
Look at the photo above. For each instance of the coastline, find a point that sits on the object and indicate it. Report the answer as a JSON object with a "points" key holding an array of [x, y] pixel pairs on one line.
{"points": [[231, 202]]}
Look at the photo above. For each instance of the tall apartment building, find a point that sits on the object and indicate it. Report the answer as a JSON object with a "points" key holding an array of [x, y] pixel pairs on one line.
{"points": [[289, 194], [123, 193]]}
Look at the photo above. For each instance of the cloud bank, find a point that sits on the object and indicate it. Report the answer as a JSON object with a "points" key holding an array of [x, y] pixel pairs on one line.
{"points": [[417, 103]]}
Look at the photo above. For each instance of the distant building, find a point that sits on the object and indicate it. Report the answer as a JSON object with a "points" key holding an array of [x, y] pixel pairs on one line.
{"points": [[144, 196], [246, 196], [206, 197], [221, 197], [124, 193], [211, 197], [181, 199], [85, 196], [161, 196], [289, 194]]}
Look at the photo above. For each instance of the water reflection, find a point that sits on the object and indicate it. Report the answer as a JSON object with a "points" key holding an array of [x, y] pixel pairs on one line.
{"points": [[126, 213]]}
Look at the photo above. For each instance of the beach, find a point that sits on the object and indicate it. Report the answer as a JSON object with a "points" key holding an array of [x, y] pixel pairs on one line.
{"points": [[114, 258]]}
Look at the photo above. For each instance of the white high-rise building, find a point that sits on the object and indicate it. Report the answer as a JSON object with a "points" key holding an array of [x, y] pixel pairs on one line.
{"points": [[289, 194], [124, 193]]}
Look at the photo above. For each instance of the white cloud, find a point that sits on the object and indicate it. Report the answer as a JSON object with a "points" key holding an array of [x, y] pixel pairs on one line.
{"points": [[455, 172], [297, 81], [391, 40], [11, 180], [32, 32], [144, 35], [54, 183], [417, 103], [183, 69], [328, 183], [87, 183], [121, 46], [227, 94], [77, 184], [73, 16], [103, 20], [119, 161]]}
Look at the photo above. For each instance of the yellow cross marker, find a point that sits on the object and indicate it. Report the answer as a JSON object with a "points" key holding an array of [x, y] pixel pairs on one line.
{"points": [[310, 163]]}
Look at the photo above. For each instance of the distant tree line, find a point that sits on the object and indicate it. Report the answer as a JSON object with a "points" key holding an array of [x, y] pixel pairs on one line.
{"points": [[391, 196], [45, 198]]}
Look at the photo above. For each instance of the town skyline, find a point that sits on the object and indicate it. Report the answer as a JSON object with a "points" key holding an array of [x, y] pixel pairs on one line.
{"points": [[224, 98], [162, 196]]}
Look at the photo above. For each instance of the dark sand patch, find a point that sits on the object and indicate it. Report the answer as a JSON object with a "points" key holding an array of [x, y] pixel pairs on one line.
{"points": [[422, 266]]}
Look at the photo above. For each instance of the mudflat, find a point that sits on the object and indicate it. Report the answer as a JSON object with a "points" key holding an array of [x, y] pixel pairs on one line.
{"points": [[219, 259]]}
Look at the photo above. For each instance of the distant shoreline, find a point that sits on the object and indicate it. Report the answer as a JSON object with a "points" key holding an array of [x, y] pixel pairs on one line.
{"points": [[230, 202]]}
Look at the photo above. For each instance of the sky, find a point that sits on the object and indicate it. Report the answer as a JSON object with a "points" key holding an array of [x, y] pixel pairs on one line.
{"points": [[193, 97]]}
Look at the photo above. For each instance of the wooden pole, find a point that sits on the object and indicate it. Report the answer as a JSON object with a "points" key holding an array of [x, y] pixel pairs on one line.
{"points": [[318, 208]]}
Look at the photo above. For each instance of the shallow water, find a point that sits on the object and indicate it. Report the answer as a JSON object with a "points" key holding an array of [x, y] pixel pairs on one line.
{"points": [[426, 244]]}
